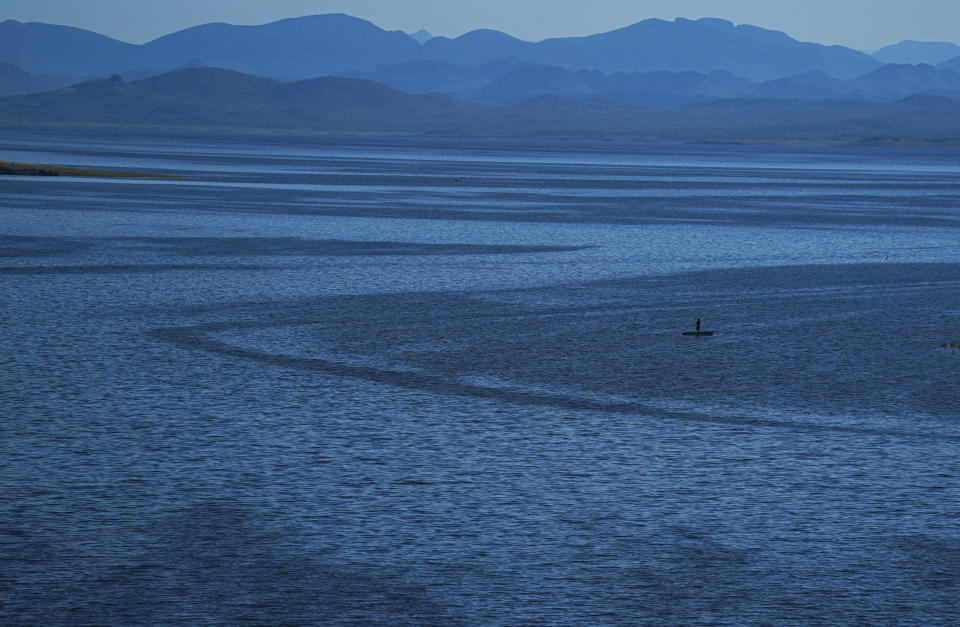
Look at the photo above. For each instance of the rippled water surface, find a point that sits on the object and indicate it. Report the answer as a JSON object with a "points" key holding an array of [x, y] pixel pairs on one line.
{"points": [[322, 380]]}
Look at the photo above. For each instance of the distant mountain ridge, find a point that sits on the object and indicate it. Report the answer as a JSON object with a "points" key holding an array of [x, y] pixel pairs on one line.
{"points": [[304, 47], [327, 44], [50, 49], [952, 64], [917, 52], [531, 81], [512, 80], [653, 62], [214, 97], [422, 36], [894, 82], [15, 80], [210, 97], [703, 45]]}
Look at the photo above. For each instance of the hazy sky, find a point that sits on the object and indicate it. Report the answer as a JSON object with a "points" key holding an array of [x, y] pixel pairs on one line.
{"points": [[862, 24]]}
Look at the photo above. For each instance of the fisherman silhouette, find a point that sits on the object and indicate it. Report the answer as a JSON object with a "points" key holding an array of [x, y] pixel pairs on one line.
{"points": [[698, 325]]}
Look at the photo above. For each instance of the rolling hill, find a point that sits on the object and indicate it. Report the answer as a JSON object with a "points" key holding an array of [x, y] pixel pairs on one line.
{"points": [[230, 99], [917, 52], [15, 81], [63, 50], [702, 45], [895, 82], [317, 45], [294, 48], [212, 97], [635, 88]]}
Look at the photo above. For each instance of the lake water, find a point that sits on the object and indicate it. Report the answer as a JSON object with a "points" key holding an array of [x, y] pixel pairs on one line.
{"points": [[324, 380]]}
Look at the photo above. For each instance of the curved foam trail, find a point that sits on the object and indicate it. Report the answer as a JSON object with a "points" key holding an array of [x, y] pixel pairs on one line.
{"points": [[197, 337]]}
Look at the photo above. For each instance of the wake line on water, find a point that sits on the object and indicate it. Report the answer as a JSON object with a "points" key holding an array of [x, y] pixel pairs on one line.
{"points": [[196, 337]]}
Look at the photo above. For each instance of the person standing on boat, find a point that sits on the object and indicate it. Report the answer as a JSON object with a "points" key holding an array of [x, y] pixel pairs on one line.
{"points": [[698, 325]]}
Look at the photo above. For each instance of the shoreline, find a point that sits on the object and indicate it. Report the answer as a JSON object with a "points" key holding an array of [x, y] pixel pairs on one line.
{"points": [[16, 168]]}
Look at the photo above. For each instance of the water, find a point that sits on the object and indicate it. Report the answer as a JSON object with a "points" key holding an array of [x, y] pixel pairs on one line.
{"points": [[319, 380]]}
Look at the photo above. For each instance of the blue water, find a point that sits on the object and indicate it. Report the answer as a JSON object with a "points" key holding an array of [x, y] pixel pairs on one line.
{"points": [[320, 380]]}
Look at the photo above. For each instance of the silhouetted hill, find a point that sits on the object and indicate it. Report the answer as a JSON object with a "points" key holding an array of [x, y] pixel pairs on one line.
{"points": [[894, 82], [14, 81], [532, 81], [716, 84], [888, 83], [205, 83], [293, 48], [353, 105], [422, 36], [952, 64], [512, 80], [328, 44], [112, 101], [330, 102], [428, 76], [651, 88], [916, 52], [702, 46], [424, 77], [62, 50], [231, 99], [808, 86], [356, 103], [476, 47], [655, 99]]}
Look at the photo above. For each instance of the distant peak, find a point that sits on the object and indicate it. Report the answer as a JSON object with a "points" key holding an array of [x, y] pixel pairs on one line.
{"points": [[716, 22], [95, 83], [651, 21], [325, 16], [484, 31], [712, 22], [422, 36], [337, 18], [924, 43], [486, 34]]}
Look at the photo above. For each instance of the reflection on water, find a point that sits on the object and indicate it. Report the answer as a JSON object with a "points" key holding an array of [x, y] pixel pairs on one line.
{"points": [[319, 381]]}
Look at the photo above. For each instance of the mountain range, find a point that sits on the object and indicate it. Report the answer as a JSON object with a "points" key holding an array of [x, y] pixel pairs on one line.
{"points": [[210, 97], [651, 62], [15, 80], [916, 52], [319, 45], [339, 73], [511, 80]]}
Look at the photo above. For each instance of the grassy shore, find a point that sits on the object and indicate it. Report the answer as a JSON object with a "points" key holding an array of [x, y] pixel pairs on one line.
{"points": [[13, 168]]}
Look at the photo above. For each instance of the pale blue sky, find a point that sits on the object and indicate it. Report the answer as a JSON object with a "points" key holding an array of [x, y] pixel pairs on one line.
{"points": [[862, 24]]}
